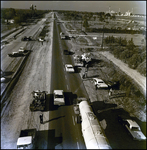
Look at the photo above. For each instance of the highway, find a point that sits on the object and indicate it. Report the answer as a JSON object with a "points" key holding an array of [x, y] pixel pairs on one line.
{"points": [[63, 117], [45, 71]]}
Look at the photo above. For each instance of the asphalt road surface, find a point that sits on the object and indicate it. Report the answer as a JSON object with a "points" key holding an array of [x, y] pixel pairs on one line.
{"points": [[63, 117]]}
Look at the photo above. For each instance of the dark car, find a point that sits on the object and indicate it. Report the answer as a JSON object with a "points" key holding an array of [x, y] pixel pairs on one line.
{"points": [[66, 52]]}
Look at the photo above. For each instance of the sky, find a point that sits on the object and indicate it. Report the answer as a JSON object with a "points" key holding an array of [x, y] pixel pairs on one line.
{"points": [[138, 7]]}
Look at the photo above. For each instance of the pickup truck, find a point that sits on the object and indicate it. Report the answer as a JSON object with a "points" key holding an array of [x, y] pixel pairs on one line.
{"points": [[132, 127], [26, 139]]}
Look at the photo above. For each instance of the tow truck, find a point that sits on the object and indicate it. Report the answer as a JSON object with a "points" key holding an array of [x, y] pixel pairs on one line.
{"points": [[38, 103]]}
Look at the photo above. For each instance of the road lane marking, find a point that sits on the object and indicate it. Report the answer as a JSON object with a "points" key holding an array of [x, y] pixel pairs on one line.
{"points": [[78, 145], [65, 77], [73, 120], [67, 87]]}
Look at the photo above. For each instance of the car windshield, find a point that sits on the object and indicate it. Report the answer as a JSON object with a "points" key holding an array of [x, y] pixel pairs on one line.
{"points": [[70, 67], [58, 96], [100, 82], [135, 129]]}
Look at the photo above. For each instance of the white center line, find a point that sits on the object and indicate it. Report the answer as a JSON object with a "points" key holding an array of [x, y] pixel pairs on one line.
{"points": [[73, 120], [78, 145]]}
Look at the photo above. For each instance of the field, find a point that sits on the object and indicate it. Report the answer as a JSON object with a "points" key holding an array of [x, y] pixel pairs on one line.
{"points": [[137, 38]]}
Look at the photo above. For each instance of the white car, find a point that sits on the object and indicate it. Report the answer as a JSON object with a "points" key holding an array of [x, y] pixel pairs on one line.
{"points": [[21, 49], [59, 97], [99, 83], [132, 127], [3, 79], [41, 39], [69, 68]]}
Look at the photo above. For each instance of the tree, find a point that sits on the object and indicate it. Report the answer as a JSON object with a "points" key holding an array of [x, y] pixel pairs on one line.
{"points": [[17, 20], [101, 19], [107, 15], [9, 14], [113, 17], [134, 61], [85, 24], [130, 45], [124, 42]]}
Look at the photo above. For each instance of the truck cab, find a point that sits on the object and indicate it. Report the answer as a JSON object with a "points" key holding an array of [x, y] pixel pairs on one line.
{"points": [[26, 139]]}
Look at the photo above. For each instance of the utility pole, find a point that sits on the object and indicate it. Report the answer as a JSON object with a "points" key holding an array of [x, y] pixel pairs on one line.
{"points": [[102, 36]]}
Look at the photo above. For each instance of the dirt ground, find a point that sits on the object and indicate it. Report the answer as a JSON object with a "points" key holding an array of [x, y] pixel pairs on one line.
{"points": [[37, 76]]}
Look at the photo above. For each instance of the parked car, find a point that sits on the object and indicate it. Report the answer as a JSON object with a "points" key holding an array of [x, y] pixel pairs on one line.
{"points": [[132, 127], [3, 79], [66, 52], [41, 39], [21, 49], [69, 68], [99, 83]]}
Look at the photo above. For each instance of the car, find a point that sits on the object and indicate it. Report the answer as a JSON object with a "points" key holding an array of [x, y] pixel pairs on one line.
{"points": [[132, 127], [41, 39], [21, 49], [99, 83], [14, 54], [3, 79], [66, 52], [69, 68], [59, 97]]}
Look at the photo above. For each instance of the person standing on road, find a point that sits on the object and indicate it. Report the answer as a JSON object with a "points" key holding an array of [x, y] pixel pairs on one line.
{"points": [[41, 118], [110, 92]]}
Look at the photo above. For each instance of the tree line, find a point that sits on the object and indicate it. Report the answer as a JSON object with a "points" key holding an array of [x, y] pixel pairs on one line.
{"points": [[21, 15], [128, 52]]}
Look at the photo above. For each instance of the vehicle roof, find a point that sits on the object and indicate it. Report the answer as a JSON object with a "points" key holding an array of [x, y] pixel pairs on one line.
{"points": [[24, 140], [58, 92], [132, 123], [21, 48], [97, 79], [68, 65]]}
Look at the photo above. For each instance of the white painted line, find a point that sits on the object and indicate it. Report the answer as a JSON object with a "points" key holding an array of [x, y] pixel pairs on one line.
{"points": [[67, 87], [65, 77], [73, 120], [78, 145]]}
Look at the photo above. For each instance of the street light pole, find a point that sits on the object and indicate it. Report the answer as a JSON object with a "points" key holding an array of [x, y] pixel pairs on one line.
{"points": [[103, 36]]}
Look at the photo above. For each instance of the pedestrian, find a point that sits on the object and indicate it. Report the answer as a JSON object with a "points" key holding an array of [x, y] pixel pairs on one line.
{"points": [[41, 118], [110, 92], [96, 86], [42, 42]]}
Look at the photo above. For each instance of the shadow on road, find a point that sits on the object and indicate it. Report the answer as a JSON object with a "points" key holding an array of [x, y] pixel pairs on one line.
{"points": [[52, 119], [115, 132], [46, 139]]}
